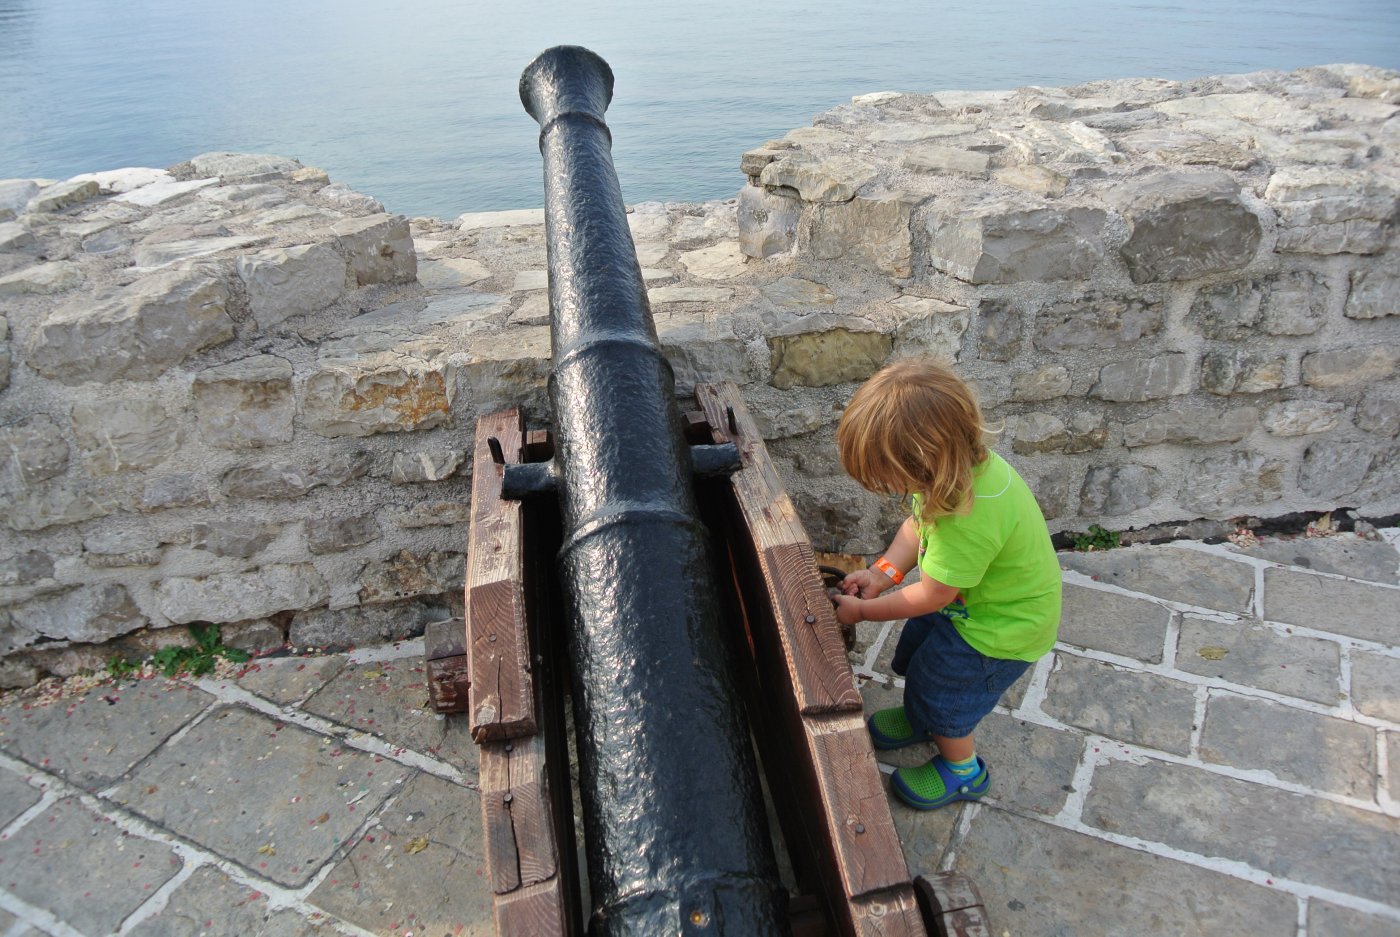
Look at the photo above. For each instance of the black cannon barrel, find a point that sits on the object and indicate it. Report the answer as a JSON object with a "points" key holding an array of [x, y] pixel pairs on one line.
{"points": [[673, 815]]}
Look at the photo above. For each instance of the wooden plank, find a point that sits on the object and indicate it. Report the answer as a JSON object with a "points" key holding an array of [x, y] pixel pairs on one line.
{"points": [[537, 911], [502, 694], [516, 817], [809, 635], [449, 684], [891, 914], [853, 806], [948, 891]]}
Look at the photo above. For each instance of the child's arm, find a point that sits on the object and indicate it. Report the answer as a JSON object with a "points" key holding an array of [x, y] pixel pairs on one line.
{"points": [[902, 554], [919, 598]]}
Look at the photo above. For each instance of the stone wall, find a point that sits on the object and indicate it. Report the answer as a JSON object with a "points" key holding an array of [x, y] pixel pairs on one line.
{"points": [[234, 392]]}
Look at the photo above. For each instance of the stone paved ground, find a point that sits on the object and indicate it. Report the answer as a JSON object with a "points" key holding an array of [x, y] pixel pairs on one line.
{"points": [[1213, 748]]}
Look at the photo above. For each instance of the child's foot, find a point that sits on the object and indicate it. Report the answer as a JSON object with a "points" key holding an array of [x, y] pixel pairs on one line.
{"points": [[890, 728], [935, 784]]}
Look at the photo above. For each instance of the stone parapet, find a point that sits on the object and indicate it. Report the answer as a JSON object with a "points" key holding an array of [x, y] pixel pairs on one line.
{"points": [[235, 392]]}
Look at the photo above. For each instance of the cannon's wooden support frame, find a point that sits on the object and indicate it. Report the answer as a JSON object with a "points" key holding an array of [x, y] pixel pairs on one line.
{"points": [[805, 709]]}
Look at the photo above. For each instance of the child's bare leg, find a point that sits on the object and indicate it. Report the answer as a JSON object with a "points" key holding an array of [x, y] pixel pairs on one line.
{"points": [[955, 750]]}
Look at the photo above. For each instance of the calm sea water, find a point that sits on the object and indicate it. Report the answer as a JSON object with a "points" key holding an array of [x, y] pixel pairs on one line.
{"points": [[416, 103]]}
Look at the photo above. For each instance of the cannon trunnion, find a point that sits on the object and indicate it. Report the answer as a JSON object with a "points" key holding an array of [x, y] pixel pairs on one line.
{"points": [[638, 578]]}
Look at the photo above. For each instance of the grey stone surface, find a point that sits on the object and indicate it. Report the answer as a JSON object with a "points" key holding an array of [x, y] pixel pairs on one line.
{"points": [[420, 868], [149, 327], [33, 450], [286, 282], [1241, 372], [357, 626], [383, 393], [1330, 920], [62, 863], [1185, 225], [767, 222], [1008, 242], [1336, 605], [240, 596], [62, 195], [406, 574], [1118, 624], [1333, 470], [1319, 752], [1032, 766], [836, 179], [242, 540], [1036, 879], [1375, 685], [124, 436], [1192, 426], [1328, 370], [390, 700], [870, 231], [90, 741], [209, 902], [1232, 481], [286, 480], [378, 248], [1379, 413], [1339, 847], [83, 613], [339, 532], [1144, 709], [1118, 489], [287, 680], [43, 279], [1160, 571], [1250, 654], [1139, 379], [1094, 321], [275, 782], [15, 797], [1374, 293], [245, 404], [1344, 556]]}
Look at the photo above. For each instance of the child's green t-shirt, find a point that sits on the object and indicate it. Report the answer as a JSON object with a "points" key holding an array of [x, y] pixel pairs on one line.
{"points": [[1000, 557]]}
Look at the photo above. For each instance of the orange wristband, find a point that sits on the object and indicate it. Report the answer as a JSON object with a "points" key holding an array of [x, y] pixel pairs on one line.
{"points": [[886, 567]]}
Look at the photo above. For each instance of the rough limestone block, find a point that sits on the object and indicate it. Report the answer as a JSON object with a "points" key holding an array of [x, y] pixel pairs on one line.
{"points": [[124, 436], [1241, 372], [379, 248], [1185, 225], [722, 261], [1044, 383], [946, 160], [240, 540], [797, 293], [383, 393], [1113, 490], [1333, 469], [158, 193], [245, 404], [1192, 426], [406, 575], [1037, 180], [62, 195], [1228, 311], [14, 236], [999, 328], [292, 480], [1006, 241], [175, 491], [820, 351], [1379, 412], [167, 253], [493, 374], [242, 596], [55, 506], [87, 613], [147, 328], [871, 231], [31, 451], [767, 222], [1233, 483], [117, 181], [1329, 370], [289, 281], [929, 326], [1096, 321], [358, 626], [242, 165], [816, 178], [1294, 303], [1038, 432], [702, 348], [1136, 380], [42, 279], [427, 466], [1269, 111], [1374, 293], [334, 533], [14, 195], [1332, 211], [1303, 417]]}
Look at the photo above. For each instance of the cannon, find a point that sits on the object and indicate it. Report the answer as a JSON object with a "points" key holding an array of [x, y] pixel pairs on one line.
{"points": [[638, 573]]}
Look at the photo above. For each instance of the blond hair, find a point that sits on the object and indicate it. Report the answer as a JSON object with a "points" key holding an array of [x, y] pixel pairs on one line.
{"points": [[915, 428]]}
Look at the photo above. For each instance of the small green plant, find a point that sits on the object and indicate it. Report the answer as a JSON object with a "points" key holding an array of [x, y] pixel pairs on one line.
{"points": [[196, 661], [1097, 539]]}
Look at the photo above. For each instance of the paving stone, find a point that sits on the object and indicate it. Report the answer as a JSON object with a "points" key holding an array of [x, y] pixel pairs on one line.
{"points": [[1326, 844], [1316, 751], [1355, 558], [420, 869], [65, 860], [209, 902], [15, 797], [1251, 654], [925, 834], [1162, 570], [1039, 880], [1330, 920], [1032, 766], [390, 700], [287, 680], [1118, 624], [286, 798], [1336, 605], [1375, 686], [87, 741], [1145, 709]]}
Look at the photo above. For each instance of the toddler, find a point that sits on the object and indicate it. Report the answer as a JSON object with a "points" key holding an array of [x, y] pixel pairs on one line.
{"points": [[987, 601]]}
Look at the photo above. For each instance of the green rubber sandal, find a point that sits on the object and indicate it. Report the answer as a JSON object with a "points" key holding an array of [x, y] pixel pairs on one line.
{"points": [[890, 729], [935, 784]]}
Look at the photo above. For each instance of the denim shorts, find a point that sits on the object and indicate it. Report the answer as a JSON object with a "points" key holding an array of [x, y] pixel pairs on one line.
{"points": [[949, 686]]}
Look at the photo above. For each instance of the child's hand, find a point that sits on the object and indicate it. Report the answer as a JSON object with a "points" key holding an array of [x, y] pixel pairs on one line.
{"points": [[865, 583], [847, 609]]}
